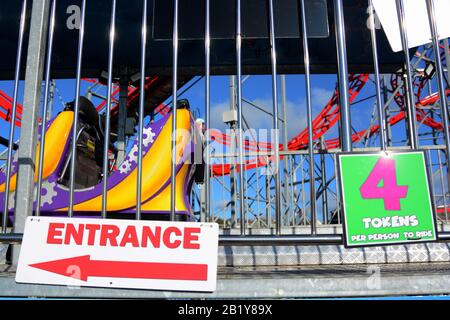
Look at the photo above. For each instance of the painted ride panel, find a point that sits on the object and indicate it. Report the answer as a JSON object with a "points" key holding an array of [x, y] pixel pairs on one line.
{"points": [[122, 182]]}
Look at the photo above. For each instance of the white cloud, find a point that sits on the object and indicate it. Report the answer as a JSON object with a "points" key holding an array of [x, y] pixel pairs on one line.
{"points": [[320, 97], [217, 110]]}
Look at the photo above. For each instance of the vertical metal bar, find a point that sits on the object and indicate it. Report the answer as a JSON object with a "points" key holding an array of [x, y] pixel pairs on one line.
{"points": [[440, 168], [257, 175], [292, 177], [285, 142], [44, 112], [29, 125], [276, 171], [343, 76], [13, 115], [174, 112], [267, 202], [430, 165], [441, 85], [108, 111], [380, 105], [239, 110], [302, 171], [76, 109], [207, 109], [410, 94], [312, 193], [324, 188], [141, 109], [212, 205]]}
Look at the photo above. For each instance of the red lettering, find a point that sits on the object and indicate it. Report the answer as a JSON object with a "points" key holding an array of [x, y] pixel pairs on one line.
{"points": [[154, 237], [190, 235], [92, 229], [129, 236], [52, 233], [167, 237], [109, 232], [112, 235], [72, 233]]}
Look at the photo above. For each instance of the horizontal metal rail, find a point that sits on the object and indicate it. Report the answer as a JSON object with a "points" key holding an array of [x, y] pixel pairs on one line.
{"points": [[255, 196], [260, 240], [327, 151]]}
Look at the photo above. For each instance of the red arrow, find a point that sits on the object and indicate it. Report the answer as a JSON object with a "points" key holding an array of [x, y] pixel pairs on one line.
{"points": [[83, 267]]}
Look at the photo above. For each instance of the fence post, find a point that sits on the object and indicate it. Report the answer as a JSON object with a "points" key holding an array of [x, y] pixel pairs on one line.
{"points": [[31, 103]]}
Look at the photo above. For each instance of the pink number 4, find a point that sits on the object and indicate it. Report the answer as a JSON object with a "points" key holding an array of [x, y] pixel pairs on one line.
{"points": [[390, 192]]}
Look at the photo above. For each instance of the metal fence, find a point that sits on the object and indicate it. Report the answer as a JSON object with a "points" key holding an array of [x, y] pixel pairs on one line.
{"points": [[299, 201]]}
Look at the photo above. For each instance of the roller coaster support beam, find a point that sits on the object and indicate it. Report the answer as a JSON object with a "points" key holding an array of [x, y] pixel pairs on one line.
{"points": [[447, 57], [285, 146], [51, 96], [31, 103]]}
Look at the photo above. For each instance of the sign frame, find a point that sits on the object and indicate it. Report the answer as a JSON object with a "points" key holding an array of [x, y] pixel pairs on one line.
{"points": [[119, 253], [342, 199]]}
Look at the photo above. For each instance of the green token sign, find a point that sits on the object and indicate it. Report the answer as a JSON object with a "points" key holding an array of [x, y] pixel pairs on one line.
{"points": [[386, 198]]}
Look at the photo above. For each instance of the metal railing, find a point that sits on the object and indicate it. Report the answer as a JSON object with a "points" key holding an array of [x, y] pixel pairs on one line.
{"points": [[294, 203]]}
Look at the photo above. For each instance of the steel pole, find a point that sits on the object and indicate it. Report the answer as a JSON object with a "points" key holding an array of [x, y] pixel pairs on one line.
{"points": [[31, 103], [141, 109], [76, 110], [312, 193], [239, 110], [276, 143], [342, 76], [381, 118], [207, 108], [108, 112], [174, 113]]}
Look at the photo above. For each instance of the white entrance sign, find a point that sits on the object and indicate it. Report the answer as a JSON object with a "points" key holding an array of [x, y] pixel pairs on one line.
{"points": [[158, 255]]}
